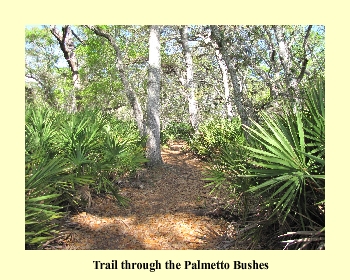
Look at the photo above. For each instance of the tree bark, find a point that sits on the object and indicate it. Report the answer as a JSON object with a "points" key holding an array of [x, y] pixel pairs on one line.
{"points": [[190, 85], [234, 74], [65, 40], [305, 60], [284, 49], [153, 152], [130, 94], [285, 59], [224, 73]]}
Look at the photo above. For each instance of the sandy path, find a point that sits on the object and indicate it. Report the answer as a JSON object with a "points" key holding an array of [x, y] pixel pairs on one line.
{"points": [[166, 212]]}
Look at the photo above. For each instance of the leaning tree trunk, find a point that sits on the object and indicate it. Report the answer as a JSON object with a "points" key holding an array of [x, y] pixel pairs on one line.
{"points": [[65, 39], [192, 103], [224, 73], [153, 152], [130, 94]]}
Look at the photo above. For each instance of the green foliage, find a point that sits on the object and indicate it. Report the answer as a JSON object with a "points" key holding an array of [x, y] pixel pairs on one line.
{"points": [[102, 85], [314, 116], [176, 131], [39, 37], [216, 134], [41, 60], [290, 157], [284, 167], [40, 195], [46, 174], [99, 147], [221, 141], [126, 134], [65, 152], [39, 132], [290, 181]]}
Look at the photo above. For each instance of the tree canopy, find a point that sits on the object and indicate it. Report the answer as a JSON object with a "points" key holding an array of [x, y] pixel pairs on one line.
{"points": [[207, 71]]}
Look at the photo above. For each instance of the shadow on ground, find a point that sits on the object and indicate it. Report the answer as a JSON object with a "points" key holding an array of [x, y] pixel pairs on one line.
{"points": [[166, 212]]}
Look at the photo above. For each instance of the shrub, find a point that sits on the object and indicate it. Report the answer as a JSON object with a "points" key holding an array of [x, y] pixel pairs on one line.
{"points": [[46, 173], [284, 167], [66, 153], [40, 195], [215, 135], [176, 131]]}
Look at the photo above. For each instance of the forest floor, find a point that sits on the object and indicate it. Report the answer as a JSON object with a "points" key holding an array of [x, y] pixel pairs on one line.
{"points": [[169, 209]]}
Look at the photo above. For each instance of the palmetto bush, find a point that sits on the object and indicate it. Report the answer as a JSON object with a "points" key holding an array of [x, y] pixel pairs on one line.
{"points": [[98, 147], [39, 132], [46, 173], [285, 169], [222, 142], [289, 160], [44, 180], [69, 152], [125, 135], [40, 194]]}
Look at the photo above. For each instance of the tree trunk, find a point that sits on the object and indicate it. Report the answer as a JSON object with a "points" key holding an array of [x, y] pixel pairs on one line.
{"points": [[284, 50], [224, 73], [192, 103], [65, 39], [130, 94], [285, 59], [236, 82], [153, 152]]}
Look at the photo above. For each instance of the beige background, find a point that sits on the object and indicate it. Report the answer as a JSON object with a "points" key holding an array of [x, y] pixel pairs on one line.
{"points": [[16, 262]]}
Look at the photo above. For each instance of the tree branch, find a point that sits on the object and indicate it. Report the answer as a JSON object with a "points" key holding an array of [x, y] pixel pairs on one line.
{"points": [[111, 40], [30, 76], [307, 35], [130, 94], [56, 33], [303, 66], [303, 69], [78, 38]]}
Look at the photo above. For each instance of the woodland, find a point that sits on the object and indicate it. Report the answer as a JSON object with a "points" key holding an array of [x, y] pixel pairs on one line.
{"points": [[175, 137]]}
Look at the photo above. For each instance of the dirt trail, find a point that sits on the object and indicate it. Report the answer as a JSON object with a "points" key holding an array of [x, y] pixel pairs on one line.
{"points": [[166, 212]]}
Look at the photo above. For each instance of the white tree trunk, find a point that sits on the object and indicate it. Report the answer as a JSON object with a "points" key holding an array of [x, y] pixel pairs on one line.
{"points": [[284, 50], [153, 152], [236, 81], [224, 73], [190, 85]]}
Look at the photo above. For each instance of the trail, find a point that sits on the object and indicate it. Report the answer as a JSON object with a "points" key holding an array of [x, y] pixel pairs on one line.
{"points": [[167, 211]]}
